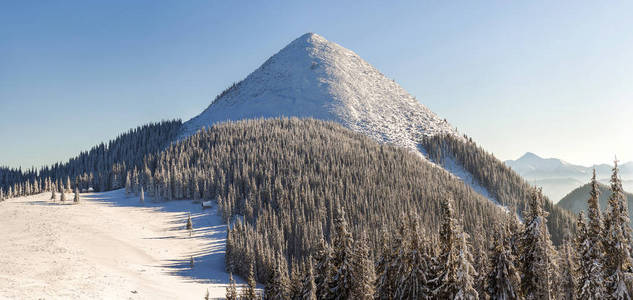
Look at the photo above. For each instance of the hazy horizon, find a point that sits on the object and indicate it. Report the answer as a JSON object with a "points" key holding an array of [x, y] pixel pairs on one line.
{"points": [[88, 72]]}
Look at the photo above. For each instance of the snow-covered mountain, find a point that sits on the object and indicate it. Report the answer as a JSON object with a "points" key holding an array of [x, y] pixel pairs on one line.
{"points": [[558, 177], [313, 77]]}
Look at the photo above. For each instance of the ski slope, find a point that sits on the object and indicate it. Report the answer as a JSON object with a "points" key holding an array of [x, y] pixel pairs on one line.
{"points": [[109, 246]]}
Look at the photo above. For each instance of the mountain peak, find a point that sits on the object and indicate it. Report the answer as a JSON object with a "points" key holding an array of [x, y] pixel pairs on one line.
{"points": [[529, 155], [313, 77]]}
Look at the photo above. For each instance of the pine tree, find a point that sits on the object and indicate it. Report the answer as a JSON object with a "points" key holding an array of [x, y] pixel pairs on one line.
{"points": [[504, 281], [617, 242], [537, 254], [231, 289], [309, 288], [341, 284], [76, 198], [590, 249], [142, 196]]}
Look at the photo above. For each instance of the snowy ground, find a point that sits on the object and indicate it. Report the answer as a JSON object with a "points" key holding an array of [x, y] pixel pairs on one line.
{"points": [[109, 247]]}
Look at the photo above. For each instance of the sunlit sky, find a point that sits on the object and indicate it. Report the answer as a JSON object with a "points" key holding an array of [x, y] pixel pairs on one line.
{"points": [[550, 77]]}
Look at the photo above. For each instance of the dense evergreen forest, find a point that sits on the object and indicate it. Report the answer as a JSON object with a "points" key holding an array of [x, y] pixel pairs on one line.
{"points": [[520, 261], [317, 211], [103, 167], [505, 185]]}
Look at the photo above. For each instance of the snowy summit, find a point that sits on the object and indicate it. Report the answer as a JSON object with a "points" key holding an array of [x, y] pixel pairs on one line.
{"points": [[313, 77]]}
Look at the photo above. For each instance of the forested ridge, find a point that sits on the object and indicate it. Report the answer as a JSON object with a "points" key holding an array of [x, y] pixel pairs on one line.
{"points": [[505, 185], [103, 167]]}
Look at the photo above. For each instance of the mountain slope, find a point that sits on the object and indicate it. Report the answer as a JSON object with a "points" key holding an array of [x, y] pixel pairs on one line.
{"points": [[576, 200], [312, 77]]}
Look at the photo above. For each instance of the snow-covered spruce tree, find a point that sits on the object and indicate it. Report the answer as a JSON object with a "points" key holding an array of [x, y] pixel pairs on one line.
{"points": [[62, 198], [189, 222], [448, 260], [142, 196], [341, 284], [53, 194], [568, 283], [481, 246], [413, 269], [617, 242], [68, 186], [537, 254], [278, 286], [504, 281], [128, 184], [309, 288], [295, 285], [591, 283], [465, 271], [249, 293], [364, 273], [385, 268], [323, 269], [76, 197], [231, 289]]}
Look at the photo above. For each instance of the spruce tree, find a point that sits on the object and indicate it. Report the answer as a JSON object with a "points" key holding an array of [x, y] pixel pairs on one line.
{"points": [[309, 288], [278, 286], [341, 284], [617, 241], [189, 222], [76, 198], [504, 281], [231, 289], [142, 196], [590, 249], [385, 268], [249, 293], [465, 271], [53, 195], [568, 276], [537, 254], [62, 198], [413, 270], [323, 269], [364, 273], [448, 261]]}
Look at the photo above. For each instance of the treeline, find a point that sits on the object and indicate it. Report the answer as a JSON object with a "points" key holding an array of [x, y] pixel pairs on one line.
{"points": [[103, 168], [505, 185], [520, 262]]}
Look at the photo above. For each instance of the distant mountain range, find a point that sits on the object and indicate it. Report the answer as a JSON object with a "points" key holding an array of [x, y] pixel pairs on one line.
{"points": [[558, 177]]}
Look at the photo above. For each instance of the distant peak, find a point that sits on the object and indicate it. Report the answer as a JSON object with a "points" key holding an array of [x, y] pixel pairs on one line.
{"points": [[529, 155]]}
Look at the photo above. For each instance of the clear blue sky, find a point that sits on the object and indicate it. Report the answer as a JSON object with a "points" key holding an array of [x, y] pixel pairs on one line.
{"points": [[551, 77]]}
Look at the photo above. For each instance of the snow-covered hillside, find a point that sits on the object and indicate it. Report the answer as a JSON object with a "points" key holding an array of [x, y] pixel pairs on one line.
{"points": [[312, 77], [109, 247]]}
